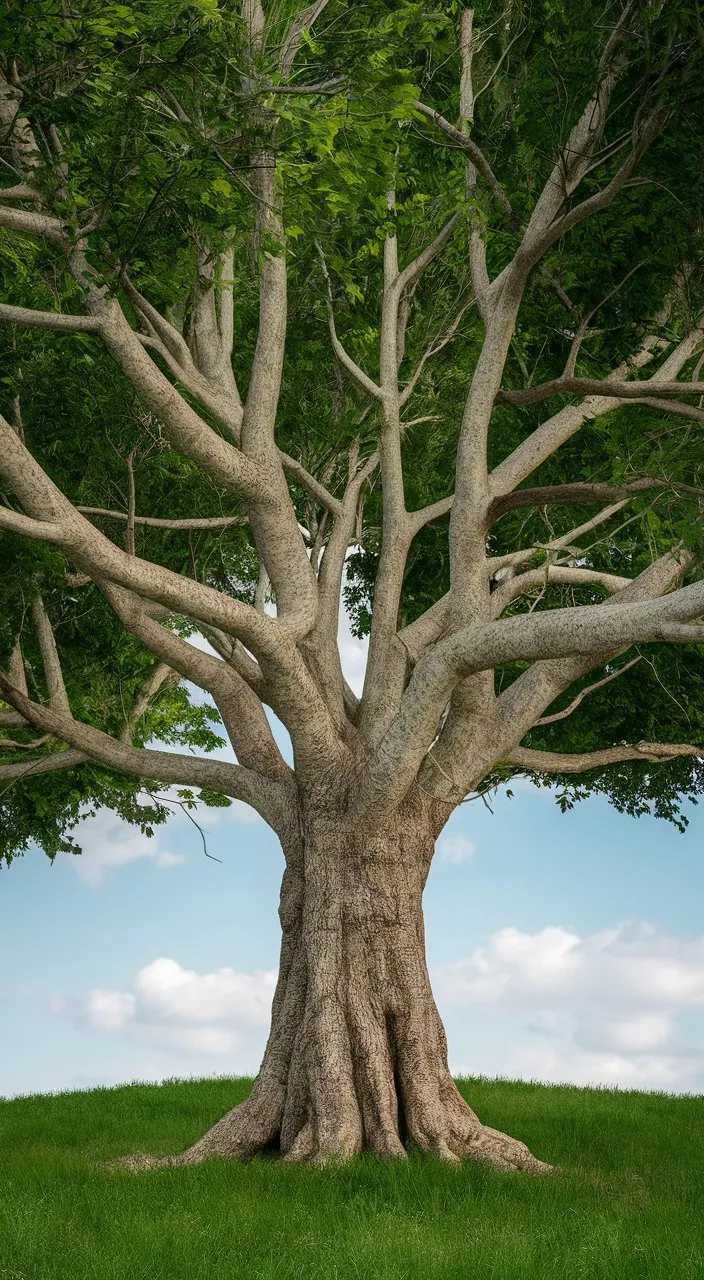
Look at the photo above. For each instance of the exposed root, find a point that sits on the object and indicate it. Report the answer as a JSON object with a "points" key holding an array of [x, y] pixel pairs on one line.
{"points": [[505, 1153]]}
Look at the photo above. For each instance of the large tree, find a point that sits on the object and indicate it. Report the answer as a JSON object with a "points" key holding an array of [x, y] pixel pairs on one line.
{"points": [[484, 402]]}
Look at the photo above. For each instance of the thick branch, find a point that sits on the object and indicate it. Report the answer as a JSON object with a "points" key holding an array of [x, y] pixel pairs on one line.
{"points": [[267, 797], [32, 224], [52, 763], [49, 320]]}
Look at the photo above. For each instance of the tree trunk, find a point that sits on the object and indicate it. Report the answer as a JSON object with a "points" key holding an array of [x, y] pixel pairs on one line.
{"points": [[357, 1055]]}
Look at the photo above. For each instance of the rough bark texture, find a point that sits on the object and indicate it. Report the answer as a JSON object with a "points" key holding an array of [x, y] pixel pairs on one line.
{"points": [[357, 1055]]}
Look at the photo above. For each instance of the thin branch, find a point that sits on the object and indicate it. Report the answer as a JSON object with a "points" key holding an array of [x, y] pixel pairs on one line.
{"points": [[302, 22], [365, 382], [151, 686], [583, 762], [577, 493], [11, 743], [597, 387], [559, 428], [155, 522], [298, 472], [431, 350], [407, 278], [466, 144], [592, 688], [58, 698]]}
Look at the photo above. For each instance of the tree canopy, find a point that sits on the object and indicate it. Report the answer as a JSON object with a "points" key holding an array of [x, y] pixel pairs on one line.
{"points": [[137, 129]]}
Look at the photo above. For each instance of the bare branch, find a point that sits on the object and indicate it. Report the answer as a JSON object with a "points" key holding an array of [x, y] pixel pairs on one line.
{"points": [[159, 677], [577, 493], [548, 437], [431, 350], [156, 522], [269, 798], [597, 387], [365, 382], [22, 191], [592, 688], [52, 763], [298, 472], [407, 278], [32, 224], [10, 743], [58, 698], [466, 144], [582, 762], [302, 22], [552, 575], [49, 320]]}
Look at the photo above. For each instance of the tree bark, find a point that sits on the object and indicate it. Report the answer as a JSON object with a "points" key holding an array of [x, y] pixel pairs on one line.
{"points": [[357, 1054]]}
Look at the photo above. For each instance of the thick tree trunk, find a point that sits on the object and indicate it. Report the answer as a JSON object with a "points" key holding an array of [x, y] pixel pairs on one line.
{"points": [[357, 1055]]}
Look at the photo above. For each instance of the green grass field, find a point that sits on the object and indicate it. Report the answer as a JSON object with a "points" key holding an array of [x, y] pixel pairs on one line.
{"points": [[629, 1202]]}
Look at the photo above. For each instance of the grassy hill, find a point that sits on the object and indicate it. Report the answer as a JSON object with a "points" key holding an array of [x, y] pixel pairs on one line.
{"points": [[629, 1202]]}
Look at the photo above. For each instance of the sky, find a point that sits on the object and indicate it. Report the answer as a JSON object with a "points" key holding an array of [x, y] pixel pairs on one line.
{"points": [[561, 947]]}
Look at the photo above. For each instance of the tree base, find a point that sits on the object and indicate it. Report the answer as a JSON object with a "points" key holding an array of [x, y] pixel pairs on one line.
{"points": [[239, 1136], [357, 1055]]}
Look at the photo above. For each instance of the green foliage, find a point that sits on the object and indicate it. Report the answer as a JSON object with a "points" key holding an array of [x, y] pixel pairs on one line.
{"points": [[158, 135]]}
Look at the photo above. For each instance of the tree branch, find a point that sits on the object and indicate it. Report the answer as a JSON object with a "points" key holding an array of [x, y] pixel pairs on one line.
{"points": [[577, 493], [592, 688], [269, 798], [156, 522], [548, 437], [466, 144], [360, 377], [33, 224], [58, 698], [582, 762], [596, 387], [49, 320]]}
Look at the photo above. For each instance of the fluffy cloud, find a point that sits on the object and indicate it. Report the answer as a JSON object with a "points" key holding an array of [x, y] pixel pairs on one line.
{"points": [[177, 1009], [455, 848], [108, 843], [601, 1008]]}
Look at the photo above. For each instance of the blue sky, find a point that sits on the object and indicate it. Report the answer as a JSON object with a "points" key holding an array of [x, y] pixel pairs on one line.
{"points": [[561, 947]]}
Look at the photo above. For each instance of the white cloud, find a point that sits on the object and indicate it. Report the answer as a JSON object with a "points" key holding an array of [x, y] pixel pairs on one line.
{"points": [[108, 842], [455, 848], [353, 654], [110, 1010], [629, 965], [181, 1010], [600, 1008]]}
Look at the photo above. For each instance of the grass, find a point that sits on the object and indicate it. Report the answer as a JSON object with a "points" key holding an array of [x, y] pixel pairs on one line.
{"points": [[629, 1202]]}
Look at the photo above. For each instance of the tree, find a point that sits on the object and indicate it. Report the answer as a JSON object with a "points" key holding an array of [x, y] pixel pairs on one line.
{"points": [[175, 172]]}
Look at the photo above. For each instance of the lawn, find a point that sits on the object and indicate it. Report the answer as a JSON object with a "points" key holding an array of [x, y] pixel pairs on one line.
{"points": [[629, 1201]]}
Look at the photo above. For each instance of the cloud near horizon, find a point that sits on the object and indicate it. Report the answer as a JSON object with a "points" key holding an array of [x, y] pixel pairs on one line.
{"points": [[598, 1009], [176, 1009], [602, 1008]]}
